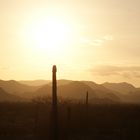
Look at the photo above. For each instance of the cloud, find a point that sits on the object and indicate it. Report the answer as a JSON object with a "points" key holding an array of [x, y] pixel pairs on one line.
{"points": [[124, 71], [97, 41], [5, 68], [108, 37]]}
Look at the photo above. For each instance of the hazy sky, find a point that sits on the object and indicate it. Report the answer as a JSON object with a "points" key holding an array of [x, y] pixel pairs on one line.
{"points": [[96, 40]]}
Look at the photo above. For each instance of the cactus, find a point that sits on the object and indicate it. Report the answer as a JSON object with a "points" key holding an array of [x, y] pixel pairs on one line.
{"points": [[54, 105], [87, 110], [87, 100]]}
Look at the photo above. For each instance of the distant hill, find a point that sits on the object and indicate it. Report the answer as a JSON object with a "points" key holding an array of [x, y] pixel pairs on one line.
{"points": [[125, 91], [123, 88], [61, 82], [6, 97], [106, 92], [35, 82], [100, 90], [16, 88], [43, 82], [77, 90]]}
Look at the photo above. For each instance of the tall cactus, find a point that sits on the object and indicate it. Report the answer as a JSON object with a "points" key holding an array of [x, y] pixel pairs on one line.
{"points": [[54, 105], [87, 110], [87, 100]]}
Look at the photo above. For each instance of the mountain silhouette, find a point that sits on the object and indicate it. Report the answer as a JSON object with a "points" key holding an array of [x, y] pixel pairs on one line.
{"points": [[77, 90], [34, 82], [123, 88], [15, 88], [61, 82], [68, 89], [6, 97], [100, 90], [125, 91]]}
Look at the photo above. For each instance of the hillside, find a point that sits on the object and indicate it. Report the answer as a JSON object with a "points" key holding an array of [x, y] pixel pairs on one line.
{"points": [[106, 92], [123, 88], [16, 88], [100, 90], [77, 90], [6, 97], [61, 82], [125, 91], [34, 82]]}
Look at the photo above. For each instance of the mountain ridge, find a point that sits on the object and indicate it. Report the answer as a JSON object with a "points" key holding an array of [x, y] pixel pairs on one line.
{"points": [[124, 92], [6, 97]]}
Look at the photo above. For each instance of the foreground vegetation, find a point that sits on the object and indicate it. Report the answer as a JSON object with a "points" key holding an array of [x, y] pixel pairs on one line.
{"points": [[32, 121]]}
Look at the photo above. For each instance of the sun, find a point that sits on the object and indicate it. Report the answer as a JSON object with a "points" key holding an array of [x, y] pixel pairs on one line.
{"points": [[51, 34], [48, 39]]}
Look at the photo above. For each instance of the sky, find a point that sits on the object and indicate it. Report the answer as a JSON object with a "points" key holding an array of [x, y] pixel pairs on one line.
{"points": [[97, 40]]}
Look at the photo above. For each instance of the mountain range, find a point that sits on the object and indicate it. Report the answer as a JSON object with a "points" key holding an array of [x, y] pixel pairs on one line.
{"points": [[4, 97], [74, 90]]}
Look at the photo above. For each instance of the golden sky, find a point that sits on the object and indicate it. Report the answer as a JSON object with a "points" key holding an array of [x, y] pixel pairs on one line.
{"points": [[96, 40]]}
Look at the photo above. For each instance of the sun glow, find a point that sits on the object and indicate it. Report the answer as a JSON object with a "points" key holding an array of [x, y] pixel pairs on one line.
{"points": [[51, 35]]}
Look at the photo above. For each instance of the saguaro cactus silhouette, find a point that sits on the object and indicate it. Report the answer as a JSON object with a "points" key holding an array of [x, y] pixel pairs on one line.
{"points": [[87, 105], [87, 100], [54, 105]]}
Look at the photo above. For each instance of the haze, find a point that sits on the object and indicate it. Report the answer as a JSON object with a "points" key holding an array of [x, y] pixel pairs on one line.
{"points": [[96, 40]]}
